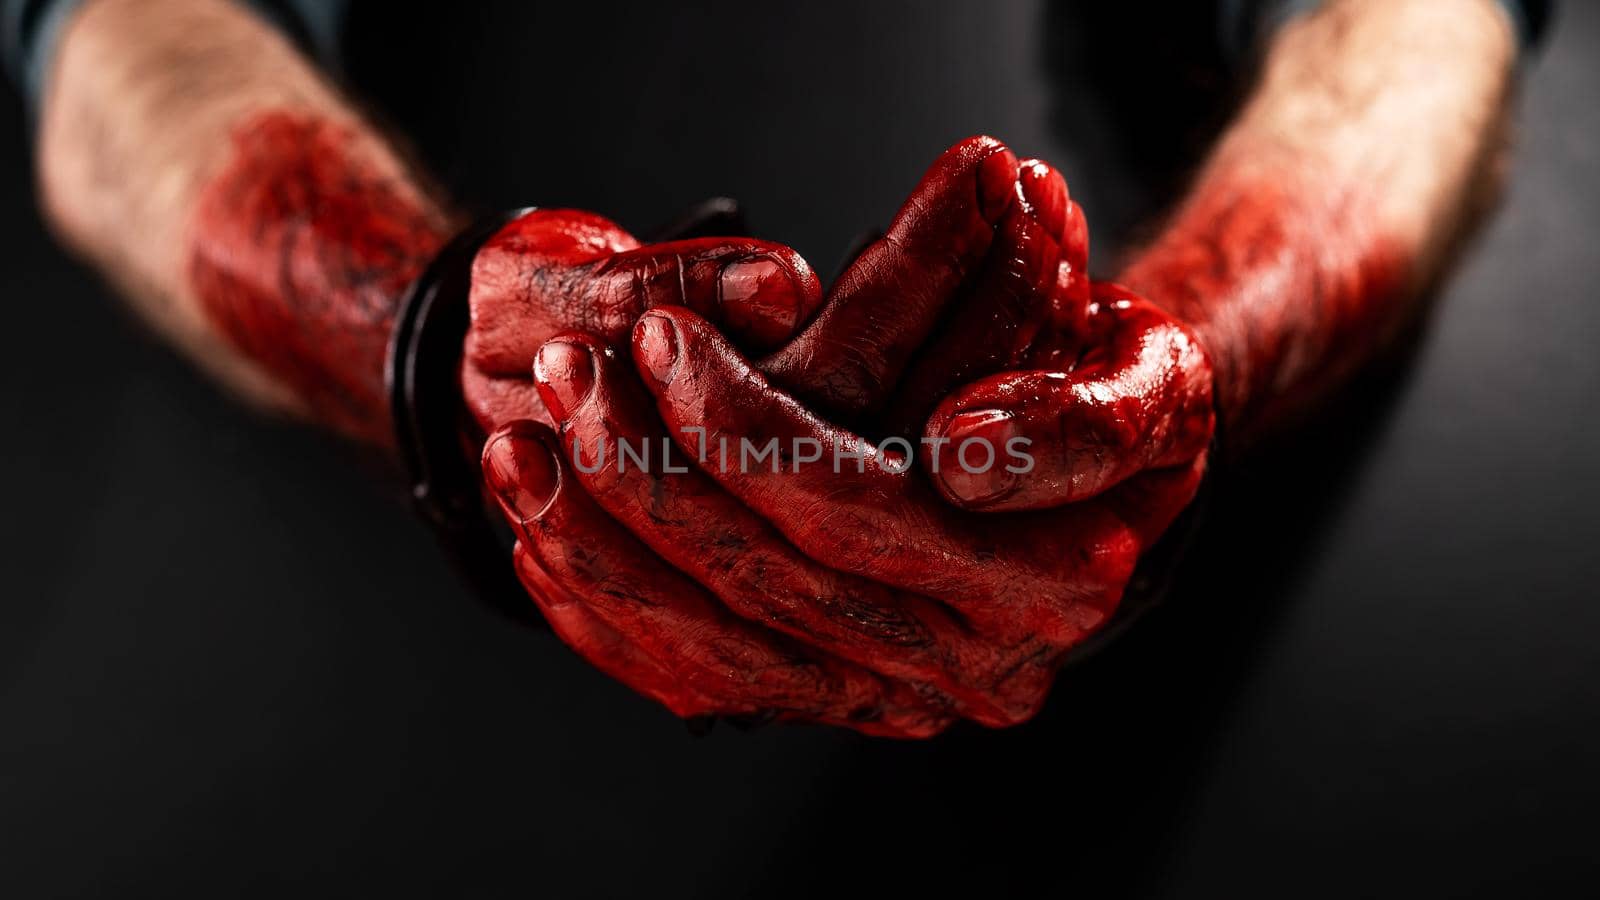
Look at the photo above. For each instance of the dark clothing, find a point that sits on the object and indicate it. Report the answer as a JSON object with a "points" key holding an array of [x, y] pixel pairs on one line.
{"points": [[31, 28]]}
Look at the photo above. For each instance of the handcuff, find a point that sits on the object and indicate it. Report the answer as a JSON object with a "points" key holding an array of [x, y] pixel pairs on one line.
{"points": [[433, 430], [432, 426]]}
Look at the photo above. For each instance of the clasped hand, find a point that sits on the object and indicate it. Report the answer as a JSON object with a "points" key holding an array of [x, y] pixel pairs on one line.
{"points": [[968, 444]]}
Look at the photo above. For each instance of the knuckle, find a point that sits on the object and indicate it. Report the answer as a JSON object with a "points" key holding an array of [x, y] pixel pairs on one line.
{"points": [[850, 380], [843, 535], [612, 298]]}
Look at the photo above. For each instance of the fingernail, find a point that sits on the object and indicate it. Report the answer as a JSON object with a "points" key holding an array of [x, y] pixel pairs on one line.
{"points": [[658, 348], [759, 298], [564, 372], [522, 473], [973, 463], [997, 180], [1044, 196]]}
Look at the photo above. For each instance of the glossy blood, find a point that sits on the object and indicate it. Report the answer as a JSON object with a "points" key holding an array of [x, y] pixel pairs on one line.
{"points": [[301, 248], [1285, 278]]}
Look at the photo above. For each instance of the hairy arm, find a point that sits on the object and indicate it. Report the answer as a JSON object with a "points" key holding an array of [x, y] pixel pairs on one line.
{"points": [[254, 217], [1367, 151]]}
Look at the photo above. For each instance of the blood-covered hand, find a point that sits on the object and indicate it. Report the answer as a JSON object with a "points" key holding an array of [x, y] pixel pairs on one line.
{"points": [[555, 270], [829, 582], [1124, 390]]}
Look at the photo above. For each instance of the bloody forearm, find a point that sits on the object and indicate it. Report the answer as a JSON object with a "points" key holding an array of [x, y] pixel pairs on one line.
{"points": [[248, 211], [1285, 281], [301, 247], [1335, 199]]}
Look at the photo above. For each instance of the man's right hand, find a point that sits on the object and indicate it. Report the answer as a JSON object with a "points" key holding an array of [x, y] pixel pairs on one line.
{"points": [[559, 270]]}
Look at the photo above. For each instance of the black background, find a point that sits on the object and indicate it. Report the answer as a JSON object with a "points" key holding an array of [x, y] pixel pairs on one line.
{"points": [[230, 662]]}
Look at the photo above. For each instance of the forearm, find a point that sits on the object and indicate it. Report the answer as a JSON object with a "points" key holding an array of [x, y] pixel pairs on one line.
{"points": [[252, 215], [1336, 198]]}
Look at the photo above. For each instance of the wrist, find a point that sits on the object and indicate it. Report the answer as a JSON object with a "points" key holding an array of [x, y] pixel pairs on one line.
{"points": [[1336, 199], [1286, 276]]}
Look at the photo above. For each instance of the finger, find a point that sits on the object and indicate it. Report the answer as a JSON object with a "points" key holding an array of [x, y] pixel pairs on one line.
{"points": [[736, 667], [1151, 501], [888, 302], [495, 400], [860, 510], [602, 646], [630, 470], [1003, 306], [758, 292], [1139, 400], [557, 270], [1058, 345], [1074, 296]]}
